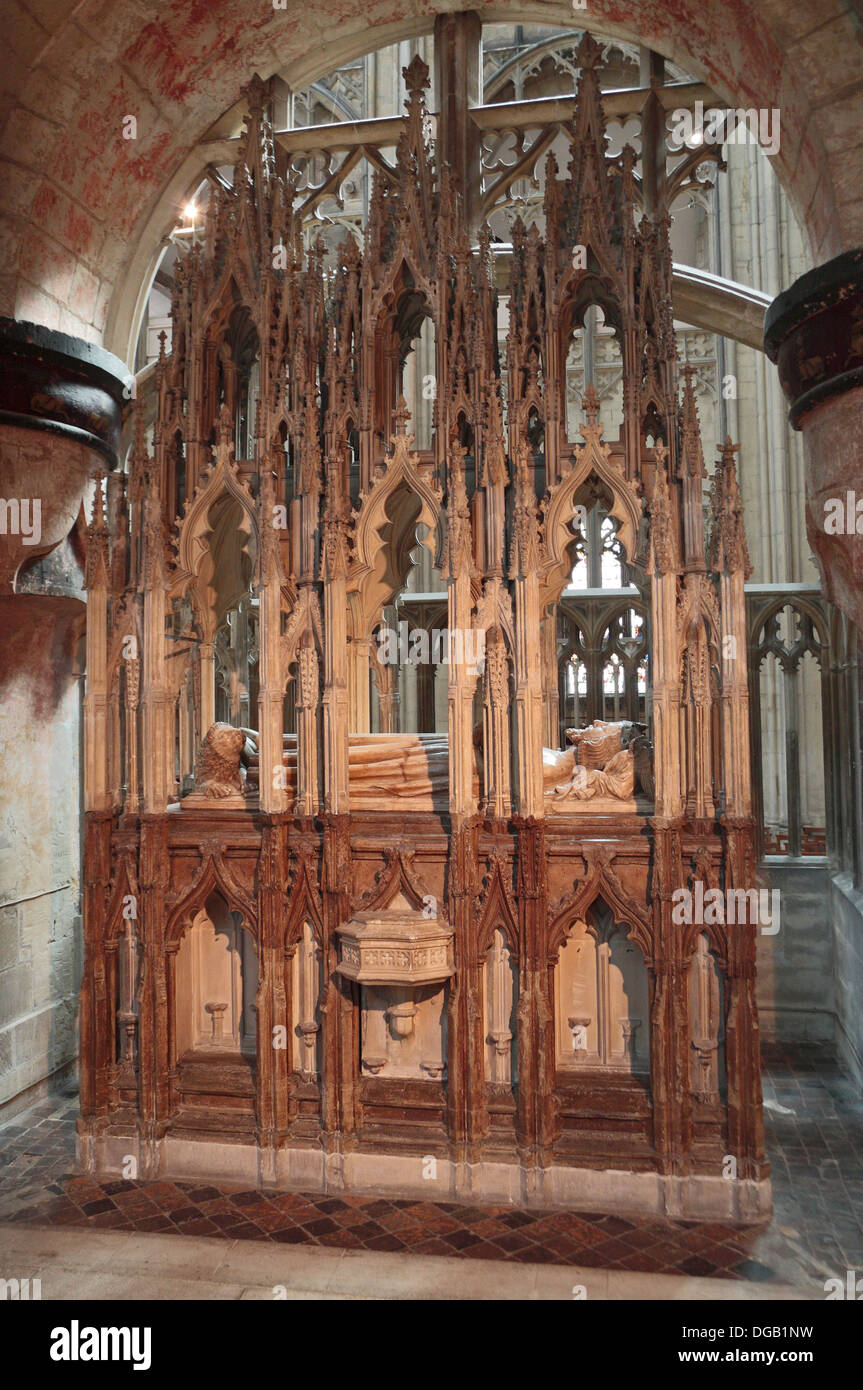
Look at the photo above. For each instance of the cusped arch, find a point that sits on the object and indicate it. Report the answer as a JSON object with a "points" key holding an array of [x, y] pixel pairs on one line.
{"points": [[220, 480], [592, 458], [581, 288], [385, 296], [717, 937], [800, 604], [214, 877], [609, 616], [605, 887], [398, 877], [365, 591], [221, 303]]}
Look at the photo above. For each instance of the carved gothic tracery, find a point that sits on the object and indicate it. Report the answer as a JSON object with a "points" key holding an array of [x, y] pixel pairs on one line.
{"points": [[460, 931]]}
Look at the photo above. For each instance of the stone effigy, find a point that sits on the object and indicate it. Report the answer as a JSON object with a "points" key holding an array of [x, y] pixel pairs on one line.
{"points": [[607, 760], [412, 770]]}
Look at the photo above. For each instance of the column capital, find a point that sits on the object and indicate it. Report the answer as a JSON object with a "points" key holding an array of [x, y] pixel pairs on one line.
{"points": [[813, 332]]}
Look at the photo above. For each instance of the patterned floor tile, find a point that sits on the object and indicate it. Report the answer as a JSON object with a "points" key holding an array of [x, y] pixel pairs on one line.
{"points": [[814, 1126]]}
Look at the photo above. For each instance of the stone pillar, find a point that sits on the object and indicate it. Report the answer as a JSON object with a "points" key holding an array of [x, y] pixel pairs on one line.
{"points": [[273, 1063], [813, 332], [61, 404], [464, 1085], [524, 572], [359, 658], [208, 686], [459, 569], [308, 692], [496, 800], [272, 685], [458, 73], [156, 703], [96, 791], [335, 696], [667, 1014], [535, 1012], [665, 568]]}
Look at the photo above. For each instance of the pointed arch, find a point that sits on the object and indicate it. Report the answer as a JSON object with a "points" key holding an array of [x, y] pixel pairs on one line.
{"points": [[594, 457], [220, 480], [125, 885], [213, 876], [303, 902], [398, 876], [366, 591], [495, 908], [602, 883]]}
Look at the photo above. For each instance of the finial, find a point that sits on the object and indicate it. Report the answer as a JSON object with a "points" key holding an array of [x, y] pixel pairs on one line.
{"points": [[255, 93], [401, 415], [416, 75], [588, 53], [98, 502], [590, 404]]}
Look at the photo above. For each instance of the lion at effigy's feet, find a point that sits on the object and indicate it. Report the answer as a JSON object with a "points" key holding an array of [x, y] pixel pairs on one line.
{"points": [[217, 768]]}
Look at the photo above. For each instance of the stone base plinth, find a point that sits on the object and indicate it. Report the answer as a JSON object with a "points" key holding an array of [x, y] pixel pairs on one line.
{"points": [[696, 1197]]}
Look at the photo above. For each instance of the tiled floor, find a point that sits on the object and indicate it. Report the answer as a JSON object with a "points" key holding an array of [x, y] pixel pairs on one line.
{"points": [[815, 1137]]}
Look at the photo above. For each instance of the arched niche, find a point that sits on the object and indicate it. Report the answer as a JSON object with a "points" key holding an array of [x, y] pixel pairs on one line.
{"points": [[410, 646], [706, 1000], [216, 981], [599, 557], [404, 1032], [594, 640], [239, 373], [594, 479], [231, 374], [307, 977], [418, 377], [499, 1003], [401, 512], [404, 358], [602, 998], [224, 571], [236, 657], [789, 698], [573, 667], [399, 533], [592, 356]]}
